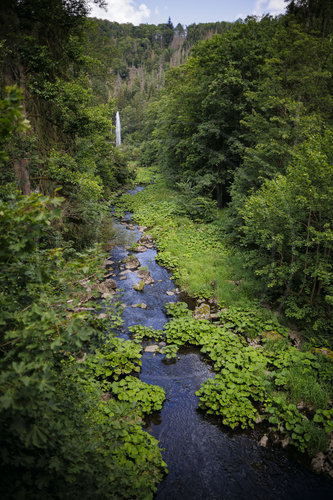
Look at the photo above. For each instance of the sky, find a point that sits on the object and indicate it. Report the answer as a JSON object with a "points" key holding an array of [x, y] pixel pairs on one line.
{"points": [[185, 11]]}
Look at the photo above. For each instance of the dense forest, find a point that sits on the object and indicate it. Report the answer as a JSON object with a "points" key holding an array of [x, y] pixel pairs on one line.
{"points": [[234, 123]]}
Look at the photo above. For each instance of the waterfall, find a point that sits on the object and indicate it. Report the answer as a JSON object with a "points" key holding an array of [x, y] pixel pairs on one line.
{"points": [[118, 130]]}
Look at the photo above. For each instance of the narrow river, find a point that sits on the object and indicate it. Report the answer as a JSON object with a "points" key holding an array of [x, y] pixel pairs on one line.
{"points": [[205, 461]]}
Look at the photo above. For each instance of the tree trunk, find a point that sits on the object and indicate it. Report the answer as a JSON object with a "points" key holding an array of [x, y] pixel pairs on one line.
{"points": [[219, 195], [21, 164], [22, 175]]}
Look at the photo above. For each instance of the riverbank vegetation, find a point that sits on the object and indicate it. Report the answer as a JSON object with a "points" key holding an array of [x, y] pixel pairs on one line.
{"points": [[267, 374], [65, 430]]}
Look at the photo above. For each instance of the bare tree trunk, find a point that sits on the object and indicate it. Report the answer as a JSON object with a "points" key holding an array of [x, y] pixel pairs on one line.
{"points": [[21, 164], [22, 175], [219, 195]]}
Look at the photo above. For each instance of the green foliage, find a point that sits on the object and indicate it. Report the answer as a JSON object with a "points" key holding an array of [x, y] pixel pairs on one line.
{"points": [[115, 358], [285, 418], [219, 397], [325, 418], [58, 431], [187, 329], [12, 118], [147, 397], [251, 321], [170, 351], [288, 222], [177, 309], [141, 332]]}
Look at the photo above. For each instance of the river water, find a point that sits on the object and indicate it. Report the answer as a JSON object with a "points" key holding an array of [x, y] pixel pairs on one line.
{"points": [[205, 460]]}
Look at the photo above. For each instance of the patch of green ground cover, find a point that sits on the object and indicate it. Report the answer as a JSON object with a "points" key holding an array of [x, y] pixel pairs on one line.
{"points": [[272, 382], [147, 397], [133, 463], [193, 251], [144, 175]]}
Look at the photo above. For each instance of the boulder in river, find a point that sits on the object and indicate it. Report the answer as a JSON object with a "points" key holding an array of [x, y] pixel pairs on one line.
{"points": [[145, 275], [318, 461], [263, 441], [132, 262], [146, 240], [151, 348], [140, 249], [139, 286]]}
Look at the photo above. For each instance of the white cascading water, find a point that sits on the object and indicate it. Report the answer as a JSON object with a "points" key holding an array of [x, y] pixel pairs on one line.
{"points": [[118, 130]]}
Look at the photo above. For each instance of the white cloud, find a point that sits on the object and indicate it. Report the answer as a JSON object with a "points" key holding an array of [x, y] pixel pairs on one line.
{"points": [[122, 11], [273, 7]]}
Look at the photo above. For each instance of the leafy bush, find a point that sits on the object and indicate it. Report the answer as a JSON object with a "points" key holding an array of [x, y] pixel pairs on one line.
{"points": [[147, 397], [140, 332], [115, 358]]}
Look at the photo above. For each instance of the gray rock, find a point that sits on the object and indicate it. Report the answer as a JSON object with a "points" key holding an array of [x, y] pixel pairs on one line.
{"points": [[145, 276], [151, 348], [318, 461], [285, 442], [132, 263], [170, 293], [122, 278], [263, 441], [202, 311], [110, 284], [146, 240], [139, 286], [140, 249]]}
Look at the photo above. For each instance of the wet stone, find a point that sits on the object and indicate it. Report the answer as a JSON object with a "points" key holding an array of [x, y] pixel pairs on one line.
{"points": [[263, 441], [140, 249], [145, 276], [151, 348], [132, 263], [139, 286]]}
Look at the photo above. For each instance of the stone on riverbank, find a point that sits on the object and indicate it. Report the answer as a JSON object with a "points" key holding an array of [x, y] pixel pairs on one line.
{"points": [[146, 240], [202, 312]]}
